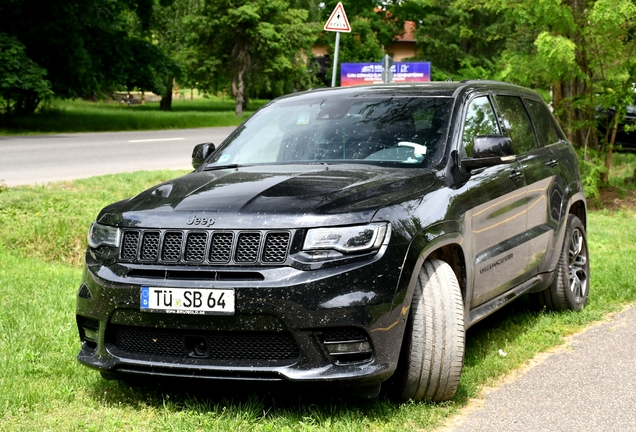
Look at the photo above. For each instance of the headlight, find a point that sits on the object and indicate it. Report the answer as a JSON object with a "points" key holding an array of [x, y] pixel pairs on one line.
{"points": [[103, 235], [347, 239]]}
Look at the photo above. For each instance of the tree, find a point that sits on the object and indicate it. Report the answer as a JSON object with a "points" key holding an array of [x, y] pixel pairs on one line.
{"points": [[22, 81], [168, 33], [83, 45], [583, 50], [461, 42], [250, 42]]}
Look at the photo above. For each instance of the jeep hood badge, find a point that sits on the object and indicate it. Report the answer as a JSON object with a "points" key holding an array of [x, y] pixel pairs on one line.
{"points": [[206, 222]]}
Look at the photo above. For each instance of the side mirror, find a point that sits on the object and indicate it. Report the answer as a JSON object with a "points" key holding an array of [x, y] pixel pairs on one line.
{"points": [[200, 153], [490, 150]]}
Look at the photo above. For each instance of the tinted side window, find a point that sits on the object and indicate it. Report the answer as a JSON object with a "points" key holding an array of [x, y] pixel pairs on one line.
{"points": [[517, 124], [480, 120], [545, 128]]}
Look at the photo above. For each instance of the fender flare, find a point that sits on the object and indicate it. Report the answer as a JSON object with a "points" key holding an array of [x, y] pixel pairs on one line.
{"points": [[421, 247]]}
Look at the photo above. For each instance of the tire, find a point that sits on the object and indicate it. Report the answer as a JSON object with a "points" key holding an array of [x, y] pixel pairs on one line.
{"points": [[570, 287], [432, 354]]}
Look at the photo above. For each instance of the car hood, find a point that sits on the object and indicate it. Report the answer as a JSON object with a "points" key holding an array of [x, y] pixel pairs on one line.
{"points": [[285, 196]]}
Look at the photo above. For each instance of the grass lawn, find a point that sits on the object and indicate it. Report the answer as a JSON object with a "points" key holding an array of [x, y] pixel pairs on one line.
{"points": [[42, 240], [82, 116]]}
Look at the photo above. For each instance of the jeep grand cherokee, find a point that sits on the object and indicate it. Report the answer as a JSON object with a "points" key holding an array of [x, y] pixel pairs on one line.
{"points": [[344, 236]]}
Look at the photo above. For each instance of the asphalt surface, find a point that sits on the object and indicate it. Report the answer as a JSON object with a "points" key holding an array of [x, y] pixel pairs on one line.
{"points": [[34, 159], [589, 386]]}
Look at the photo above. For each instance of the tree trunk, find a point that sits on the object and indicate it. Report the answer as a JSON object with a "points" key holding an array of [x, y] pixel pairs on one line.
{"points": [[238, 84], [566, 93], [242, 60], [610, 148], [166, 101], [238, 88], [26, 103]]}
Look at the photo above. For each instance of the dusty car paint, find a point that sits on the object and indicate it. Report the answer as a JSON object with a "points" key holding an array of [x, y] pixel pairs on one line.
{"points": [[498, 227]]}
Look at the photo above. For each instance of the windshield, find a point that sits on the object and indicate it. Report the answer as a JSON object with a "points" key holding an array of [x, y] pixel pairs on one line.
{"points": [[397, 131]]}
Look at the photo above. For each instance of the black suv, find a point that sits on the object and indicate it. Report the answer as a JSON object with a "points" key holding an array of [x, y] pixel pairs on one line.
{"points": [[341, 236]]}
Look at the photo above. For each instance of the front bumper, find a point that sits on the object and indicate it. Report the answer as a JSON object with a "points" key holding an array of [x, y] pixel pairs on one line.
{"points": [[345, 324]]}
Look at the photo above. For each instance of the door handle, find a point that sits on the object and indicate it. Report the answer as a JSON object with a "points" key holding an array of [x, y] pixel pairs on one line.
{"points": [[515, 175], [552, 163]]}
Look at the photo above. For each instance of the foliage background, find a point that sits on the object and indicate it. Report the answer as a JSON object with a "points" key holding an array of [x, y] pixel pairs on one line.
{"points": [[579, 54]]}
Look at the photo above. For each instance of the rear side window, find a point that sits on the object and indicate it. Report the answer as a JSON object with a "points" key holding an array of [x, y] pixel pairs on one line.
{"points": [[516, 124], [545, 127]]}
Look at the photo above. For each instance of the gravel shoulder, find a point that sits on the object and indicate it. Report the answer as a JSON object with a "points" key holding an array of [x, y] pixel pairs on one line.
{"points": [[589, 384]]}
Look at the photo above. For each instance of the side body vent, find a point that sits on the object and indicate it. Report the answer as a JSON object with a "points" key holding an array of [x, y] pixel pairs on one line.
{"points": [[84, 292]]}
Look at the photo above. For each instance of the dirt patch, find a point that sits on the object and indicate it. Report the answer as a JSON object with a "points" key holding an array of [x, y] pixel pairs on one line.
{"points": [[614, 199]]}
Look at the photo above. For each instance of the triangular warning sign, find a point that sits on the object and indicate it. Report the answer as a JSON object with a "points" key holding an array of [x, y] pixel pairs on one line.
{"points": [[338, 20]]}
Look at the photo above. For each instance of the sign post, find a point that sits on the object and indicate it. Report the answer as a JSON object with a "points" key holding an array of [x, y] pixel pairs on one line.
{"points": [[337, 22], [387, 74]]}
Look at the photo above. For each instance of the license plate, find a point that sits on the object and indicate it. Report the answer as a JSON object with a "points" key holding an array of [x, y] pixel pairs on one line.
{"points": [[192, 301]]}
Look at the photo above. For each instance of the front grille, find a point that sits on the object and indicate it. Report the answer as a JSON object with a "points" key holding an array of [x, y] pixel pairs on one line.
{"points": [[221, 248], [129, 245], [344, 334], [195, 247], [89, 323], [150, 246], [172, 246], [205, 247], [222, 345], [276, 248], [247, 249]]}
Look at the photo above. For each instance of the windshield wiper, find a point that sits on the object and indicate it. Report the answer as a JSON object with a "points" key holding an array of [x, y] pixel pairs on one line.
{"points": [[218, 167]]}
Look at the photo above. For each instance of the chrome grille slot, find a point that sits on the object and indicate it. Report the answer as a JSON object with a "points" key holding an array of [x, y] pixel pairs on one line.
{"points": [[172, 246], [129, 245], [150, 246], [221, 249], [275, 250], [195, 246], [247, 248]]}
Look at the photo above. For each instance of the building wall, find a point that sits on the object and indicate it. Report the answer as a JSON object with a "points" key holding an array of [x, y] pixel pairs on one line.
{"points": [[319, 51], [400, 50]]}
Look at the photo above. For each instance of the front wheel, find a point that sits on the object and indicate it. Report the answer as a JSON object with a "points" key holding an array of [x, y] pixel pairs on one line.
{"points": [[433, 349], [570, 287]]}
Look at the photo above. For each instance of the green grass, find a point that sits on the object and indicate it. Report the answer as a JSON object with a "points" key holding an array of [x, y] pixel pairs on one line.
{"points": [[623, 165], [42, 239], [82, 116]]}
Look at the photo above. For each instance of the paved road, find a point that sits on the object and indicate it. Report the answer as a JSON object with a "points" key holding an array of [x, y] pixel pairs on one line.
{"points": [[590, 386], [44, 158]]}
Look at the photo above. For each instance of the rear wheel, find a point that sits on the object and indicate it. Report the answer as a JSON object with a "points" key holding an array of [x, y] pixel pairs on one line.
{"points": [[433, 350], [571, 283]]}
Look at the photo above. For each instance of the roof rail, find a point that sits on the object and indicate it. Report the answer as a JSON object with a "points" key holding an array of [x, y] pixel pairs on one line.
{"points": [[480, 81]]}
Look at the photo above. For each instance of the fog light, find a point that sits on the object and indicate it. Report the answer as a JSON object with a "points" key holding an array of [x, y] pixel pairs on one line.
{"points": [[340, 348], [90, 334], [321, 255]]}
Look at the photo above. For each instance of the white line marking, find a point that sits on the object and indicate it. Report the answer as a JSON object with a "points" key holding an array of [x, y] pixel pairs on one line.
{"points": [[157, 139]]}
